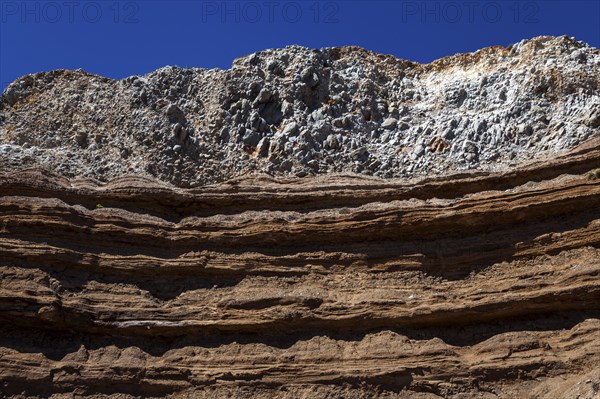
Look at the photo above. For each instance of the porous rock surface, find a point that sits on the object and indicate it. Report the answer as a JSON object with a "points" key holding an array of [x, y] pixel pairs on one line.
{"points": [[297, 111], [461, 277]]}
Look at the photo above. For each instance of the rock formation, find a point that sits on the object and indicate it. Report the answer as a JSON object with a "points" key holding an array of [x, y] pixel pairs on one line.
{"points": [[301, 112], [462, 260]]}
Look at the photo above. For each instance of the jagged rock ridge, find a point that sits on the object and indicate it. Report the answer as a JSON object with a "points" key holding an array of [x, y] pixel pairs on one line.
{"points": [[297, 111]]}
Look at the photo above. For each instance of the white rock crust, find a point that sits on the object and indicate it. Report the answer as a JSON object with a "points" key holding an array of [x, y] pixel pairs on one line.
{"points": [[297, 111]]}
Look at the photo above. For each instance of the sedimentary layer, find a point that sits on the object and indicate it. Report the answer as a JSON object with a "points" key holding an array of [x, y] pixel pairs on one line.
{"points": [[474, 285]]}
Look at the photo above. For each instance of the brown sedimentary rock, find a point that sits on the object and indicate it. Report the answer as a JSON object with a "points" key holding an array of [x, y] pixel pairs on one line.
{"points": [[477, 285]]}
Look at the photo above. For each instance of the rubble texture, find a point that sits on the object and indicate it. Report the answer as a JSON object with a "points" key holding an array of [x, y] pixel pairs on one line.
{"points": [[300, 112], [467, 275]]}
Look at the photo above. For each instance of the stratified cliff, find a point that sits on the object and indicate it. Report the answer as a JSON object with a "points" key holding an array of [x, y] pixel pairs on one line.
{"points": [[476, 284], [472, 281]]}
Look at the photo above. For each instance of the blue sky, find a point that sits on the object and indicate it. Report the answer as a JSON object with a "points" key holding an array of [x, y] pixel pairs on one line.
{"points": [[121, 38]]}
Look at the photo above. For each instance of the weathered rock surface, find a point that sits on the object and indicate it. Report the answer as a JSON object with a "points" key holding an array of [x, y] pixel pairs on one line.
{"points": [[229, 234], [312, 112], [473, 286]]}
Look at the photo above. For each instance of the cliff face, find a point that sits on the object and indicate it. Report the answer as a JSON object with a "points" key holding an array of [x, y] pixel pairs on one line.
{"points": [[469, 286], [301, 112], [463, 276]]}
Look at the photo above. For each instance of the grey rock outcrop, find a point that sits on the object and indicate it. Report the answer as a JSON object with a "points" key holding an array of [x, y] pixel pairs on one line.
{"points": [[297, 111]]}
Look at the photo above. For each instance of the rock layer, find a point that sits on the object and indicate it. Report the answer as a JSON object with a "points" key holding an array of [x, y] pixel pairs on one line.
{"points": [[478, 285], [301, 112]]}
